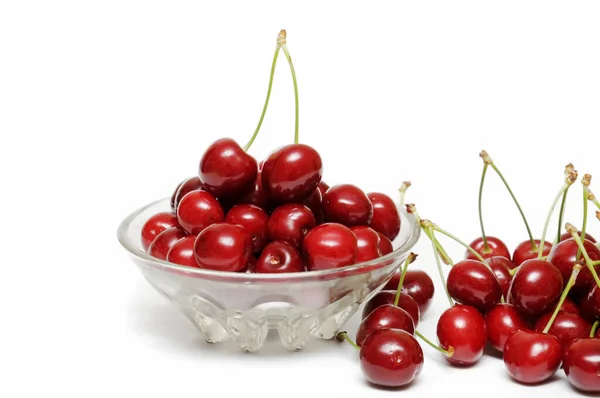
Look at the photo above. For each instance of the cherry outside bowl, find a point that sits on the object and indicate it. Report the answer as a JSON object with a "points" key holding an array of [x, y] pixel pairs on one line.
{"points": [[243, 307]]}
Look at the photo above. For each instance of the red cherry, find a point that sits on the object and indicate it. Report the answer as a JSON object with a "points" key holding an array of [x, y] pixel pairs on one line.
{"points": [[197, 210], [586, 307], [581, 362], [291, 173], [567, 235], [347, 204], [566, 327], [563, 257], [391, 358], [532, 357], [323, 187], [223, 247], [315, 203], [256, 195], [385, 215], [290, 223], [164, 241], [278, 257], [185, 187], [417, 284], [501, 322], [472, 283], [367, 242], [384, 317], [535, 287], [525, 251], [182, 252], [501, 267], [155, 225], [330, 245], [568, 306], [384, 297], [593, 301], [495, 248], [254, 220], [385, 245], [462, 327], [250, 265]]}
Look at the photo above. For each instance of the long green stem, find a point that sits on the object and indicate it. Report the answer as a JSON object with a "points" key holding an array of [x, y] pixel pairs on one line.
{"points": [[561, 215], [588, 260], [486, 248], [570, 283], [411, 209], [461, 242], [410, 259], [289, 59], [548, 217], [585, 213], [440, 270], [341, 336], [449, 352], [594, 328]]}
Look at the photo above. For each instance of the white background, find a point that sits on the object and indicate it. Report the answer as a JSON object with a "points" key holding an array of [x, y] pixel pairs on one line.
{"points": [[107, 105]]}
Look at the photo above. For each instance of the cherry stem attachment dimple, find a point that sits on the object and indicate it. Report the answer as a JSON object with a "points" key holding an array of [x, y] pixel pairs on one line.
{"points": [[588, 261], [461, 242], [405, 185], [409, 260], [594, 328], [293, 70], [341, 336], [570, 284], [449, 352]]}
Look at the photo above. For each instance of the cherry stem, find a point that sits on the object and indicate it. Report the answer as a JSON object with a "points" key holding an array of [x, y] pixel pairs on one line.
{"points": [[549, 216], [570, 283], [594, 328], [449, 352], [266, 105], [461, 242], [289, 59], [411, 209], [405, 185], [588, 260], [486, 248], [561, 214], [585, 181], [341, 336], [409, 260], [439, 265], [592, 198]]}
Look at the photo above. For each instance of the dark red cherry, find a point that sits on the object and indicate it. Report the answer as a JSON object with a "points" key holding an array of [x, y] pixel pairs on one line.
{"points": [[347, 204], [568, 306], [291, 173], [155, 225], [330, 245], [501, 322], [462, 328], [385, 215], [535, 287], [250, 265], [384, 317], [567, 235], [501, 267], [384, 297], [525, 251], [473, 283], [223, 247], [581, 362], [367, 243], [278, 257], [566, 326], [417, 284], [495, 248], [315, 203], [256, 195], [182, 252], [254, 220], [290, 223], [185, 187], [586, 307], [164, 241], [385, 245], [531, 357], [391, 358], [593, 301], [197, 210], [563, 257], [322, 187]]}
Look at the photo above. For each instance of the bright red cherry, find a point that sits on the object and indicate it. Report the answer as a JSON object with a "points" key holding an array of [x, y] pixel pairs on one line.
{"points": [[291, 173], [568, 306], [253, 219], [290, 223], [315, 203], [367, 243], [501, 267], [417, 284], [501, 322], [384, 317], [226, 170], [164, 241], [279, 257], [567, 235], [566, 327], [495, 248], [581, 362], [186, 186], [391, 358], [563, 257], [384, 297], [385, 245], [535, 287], [385, 215], [347, 204], [197, 210], [155, 225], [473, 283], [525, 251], [531, 357], [462, 328], [182, 252], [330, 245], [223, 247], [256, 195]]}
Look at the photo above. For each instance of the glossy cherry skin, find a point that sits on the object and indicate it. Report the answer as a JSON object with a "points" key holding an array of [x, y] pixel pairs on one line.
{"points": [[385, 215], [586, 307], [566, 327], [367, 242], [391, 358], [197, 210], [384, 317], [501, 322], [563, 257], [385, 245], [182, 252], [155, 225], [279, 257], [291, 173], [254, 220], [473, 283], [164, 241], [593, 301], [581, 362], [186, 186], [347, 204], [322, 187], [223, 247], [495, 248], [256, 195], [531, 357], [417, 284], [568, 306], [315, 203], [328, 246], [384, 297], [567, 235], [226, 170], [501, 267], [462, 327], [535, 287], [290, 223], [524, 251]]}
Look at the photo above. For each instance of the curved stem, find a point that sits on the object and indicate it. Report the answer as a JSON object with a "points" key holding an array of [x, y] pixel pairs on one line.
{"points": [[585, 217], [341, 336], [594, 328], [588, 260], [548, 217], [441, 272], [449, 352], [469, 248], [289, 59], [410, 259], [570, 283], [486, 248], [411, 209], [561, 215]]}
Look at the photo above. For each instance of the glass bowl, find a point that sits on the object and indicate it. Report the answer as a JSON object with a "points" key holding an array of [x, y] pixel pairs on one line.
{"points": [[244, 306]]}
